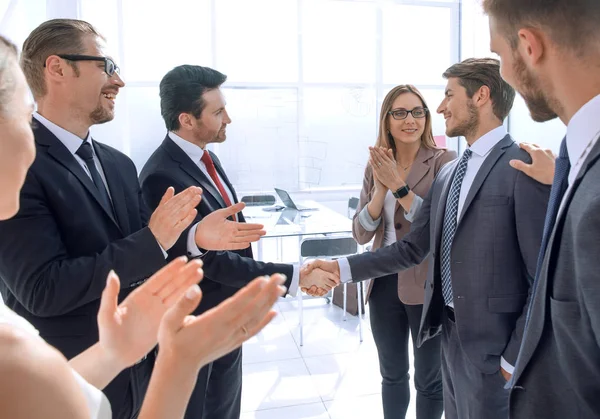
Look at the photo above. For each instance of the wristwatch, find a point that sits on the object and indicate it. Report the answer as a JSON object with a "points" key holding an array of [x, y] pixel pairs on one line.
{"points": [[401, 192]]}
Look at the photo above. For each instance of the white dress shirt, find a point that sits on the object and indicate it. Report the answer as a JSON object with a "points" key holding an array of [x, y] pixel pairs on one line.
{"points": [[195, 153], [583, 131], [72, 142]]}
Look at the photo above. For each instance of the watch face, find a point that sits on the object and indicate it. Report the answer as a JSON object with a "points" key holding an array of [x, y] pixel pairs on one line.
{"points": [[402, 192]]}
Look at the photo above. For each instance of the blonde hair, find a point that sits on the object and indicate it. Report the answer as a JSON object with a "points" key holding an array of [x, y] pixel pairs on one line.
{"points": [[384, 138]]}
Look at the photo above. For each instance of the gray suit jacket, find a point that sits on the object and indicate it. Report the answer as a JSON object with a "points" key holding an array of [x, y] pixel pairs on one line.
{"points": [[493, 258], [558, 371]]}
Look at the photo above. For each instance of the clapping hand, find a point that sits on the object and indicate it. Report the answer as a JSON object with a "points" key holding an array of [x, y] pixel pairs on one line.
{"points": [[173, 215], [194, 341], [385, 170], [318, 277], [216, 232], [128, 331]]}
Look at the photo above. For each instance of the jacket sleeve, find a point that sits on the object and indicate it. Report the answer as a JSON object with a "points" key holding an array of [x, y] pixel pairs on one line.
{"points": [[411, 250], [36, 267], [363, 226], [225, 267], [531, 202]]}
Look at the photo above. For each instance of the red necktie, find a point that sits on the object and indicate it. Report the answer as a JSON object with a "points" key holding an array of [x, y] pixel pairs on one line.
{"points": [[210, 166]]}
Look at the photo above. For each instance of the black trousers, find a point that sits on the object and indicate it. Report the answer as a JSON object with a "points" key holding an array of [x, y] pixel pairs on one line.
{"points": [[468, 392], [392, 321], [218, 391]]}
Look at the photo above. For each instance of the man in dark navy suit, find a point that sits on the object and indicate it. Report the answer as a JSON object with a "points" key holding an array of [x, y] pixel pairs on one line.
{"points": [[193, 108]]}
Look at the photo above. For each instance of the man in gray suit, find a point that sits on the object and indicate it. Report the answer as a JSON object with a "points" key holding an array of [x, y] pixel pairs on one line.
{"points": [[550, 52], [481, 225]]}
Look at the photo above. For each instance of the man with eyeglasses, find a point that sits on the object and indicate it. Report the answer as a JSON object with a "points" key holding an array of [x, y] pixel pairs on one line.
{"points": [[82, 213], [481, 226]]}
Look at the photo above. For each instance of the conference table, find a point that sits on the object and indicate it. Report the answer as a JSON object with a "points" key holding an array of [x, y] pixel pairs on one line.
{"points": [[301, 224]]}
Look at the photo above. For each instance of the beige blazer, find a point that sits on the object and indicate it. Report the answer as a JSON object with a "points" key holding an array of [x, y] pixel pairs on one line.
{"points": [[427, 164]]}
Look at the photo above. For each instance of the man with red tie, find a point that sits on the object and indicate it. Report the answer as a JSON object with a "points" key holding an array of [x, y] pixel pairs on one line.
{"points": [[193, 108]]}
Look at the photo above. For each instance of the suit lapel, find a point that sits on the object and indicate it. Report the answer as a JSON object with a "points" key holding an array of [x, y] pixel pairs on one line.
{"points": [[61, 154], [485, 169], [192, 169], [115, 186]]}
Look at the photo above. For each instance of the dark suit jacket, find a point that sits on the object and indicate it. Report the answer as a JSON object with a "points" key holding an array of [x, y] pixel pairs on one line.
{"points": [[422, 173], [226, 271], [493, 256], [558, 371], [56, 253]]}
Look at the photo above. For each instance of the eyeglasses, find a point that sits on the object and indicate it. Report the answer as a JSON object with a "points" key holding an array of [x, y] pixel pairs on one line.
{"points": [[110, 68], [400, 114]]}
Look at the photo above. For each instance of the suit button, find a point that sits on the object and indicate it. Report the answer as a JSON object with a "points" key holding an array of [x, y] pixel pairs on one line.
{"points": [[398, 226], [431, 286]]}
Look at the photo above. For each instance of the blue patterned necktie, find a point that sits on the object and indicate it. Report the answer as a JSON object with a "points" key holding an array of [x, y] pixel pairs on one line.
{"points": [[450, 222], [559, 187]]}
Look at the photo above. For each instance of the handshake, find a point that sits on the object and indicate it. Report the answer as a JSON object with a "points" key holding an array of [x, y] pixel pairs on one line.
{"points": [[318, 277]]}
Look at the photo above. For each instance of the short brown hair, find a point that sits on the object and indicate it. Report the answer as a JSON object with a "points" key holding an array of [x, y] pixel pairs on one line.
{"points": [[384, 138], [570, 23], [473, 73], [8, 58], [53, 37]]}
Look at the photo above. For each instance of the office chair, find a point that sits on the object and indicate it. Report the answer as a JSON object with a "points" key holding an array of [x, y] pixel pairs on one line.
{"points": [[352, 206]]}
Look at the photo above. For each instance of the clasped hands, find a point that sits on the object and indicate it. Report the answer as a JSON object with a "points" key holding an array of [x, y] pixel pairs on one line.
{"points": [[318, 277]]}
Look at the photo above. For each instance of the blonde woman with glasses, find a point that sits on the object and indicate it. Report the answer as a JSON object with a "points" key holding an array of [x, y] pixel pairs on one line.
{"points": [[400, 171]]}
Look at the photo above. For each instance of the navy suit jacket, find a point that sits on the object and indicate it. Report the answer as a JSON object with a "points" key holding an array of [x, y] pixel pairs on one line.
{"points": [[56, 253], [225, 272]]}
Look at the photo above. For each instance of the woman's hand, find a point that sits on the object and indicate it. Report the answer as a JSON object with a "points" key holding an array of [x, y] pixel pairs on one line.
{"points": [[129, 331], [385, 169], [190, 342]]}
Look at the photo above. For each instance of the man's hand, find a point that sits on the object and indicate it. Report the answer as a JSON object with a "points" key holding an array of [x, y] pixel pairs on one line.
{"points": [[216, 232], [173, 215], [128, 331], [507, 376], [542, 164], [194, 341], [319, 285]]}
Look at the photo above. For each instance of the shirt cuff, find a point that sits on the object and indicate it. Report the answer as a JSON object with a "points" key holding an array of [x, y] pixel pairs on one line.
{"points": [[192, 247], [293, 289], [165, 254], [366, 221], [506, 366], [414, 208], [345, 272]]}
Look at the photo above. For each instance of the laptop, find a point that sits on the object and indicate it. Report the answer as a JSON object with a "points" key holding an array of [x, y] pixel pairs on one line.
{"points": [[287, 201]]}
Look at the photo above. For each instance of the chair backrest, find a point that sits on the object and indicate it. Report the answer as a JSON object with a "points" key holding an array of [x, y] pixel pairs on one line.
{"points": [[352, 206], [258, 200], [328, 247]]}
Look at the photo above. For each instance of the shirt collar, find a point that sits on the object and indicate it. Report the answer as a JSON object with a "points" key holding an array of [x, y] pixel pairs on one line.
{"points": [[583, 127], [70, 140], [194, 152], [486, 142]]}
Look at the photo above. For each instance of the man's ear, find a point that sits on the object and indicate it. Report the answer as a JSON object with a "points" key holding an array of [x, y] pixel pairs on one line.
{"points": [[482, 96], [532, 45], [185, 121]]}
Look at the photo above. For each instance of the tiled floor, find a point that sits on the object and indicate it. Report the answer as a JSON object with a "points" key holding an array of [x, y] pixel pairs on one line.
{"points": [[332, 376]]}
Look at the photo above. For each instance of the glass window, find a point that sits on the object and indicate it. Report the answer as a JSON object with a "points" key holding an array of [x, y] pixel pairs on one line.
{"points": [[338, 127], [164, 36], [417, 44], [340, 53], [261, 150], [257, 41]]}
